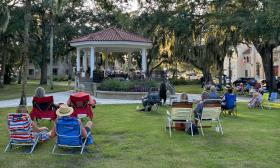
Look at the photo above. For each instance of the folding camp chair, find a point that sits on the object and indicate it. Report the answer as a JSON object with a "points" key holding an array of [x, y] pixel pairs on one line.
{"points": [[265, 101], [211, 112], [152, 100], [43, 108], [69, 134], [81, 106], [273, 97], [230, 104], [181, 112], [20, 131]]}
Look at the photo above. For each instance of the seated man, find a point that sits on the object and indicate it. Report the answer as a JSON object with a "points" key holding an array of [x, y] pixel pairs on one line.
{"points": [[199, 106], [247, 87], [213, 94], [228, 100], [65, 112], [149, 100]]}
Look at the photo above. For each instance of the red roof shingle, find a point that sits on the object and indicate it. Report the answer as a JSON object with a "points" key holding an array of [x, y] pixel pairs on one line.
{"points": [[112, 34]]}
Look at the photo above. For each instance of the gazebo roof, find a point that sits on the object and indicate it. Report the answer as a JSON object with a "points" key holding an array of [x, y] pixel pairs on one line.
{"points": [[112, 34]]}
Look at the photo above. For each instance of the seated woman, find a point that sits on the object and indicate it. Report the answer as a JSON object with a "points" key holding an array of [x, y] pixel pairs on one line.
{"points": [[43, 130], [256, 100], [65, 112], [184, 97], [213, 94]]}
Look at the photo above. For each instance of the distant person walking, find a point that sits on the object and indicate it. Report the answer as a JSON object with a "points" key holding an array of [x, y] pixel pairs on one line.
{"points": [[162, 92], [202, 81]]}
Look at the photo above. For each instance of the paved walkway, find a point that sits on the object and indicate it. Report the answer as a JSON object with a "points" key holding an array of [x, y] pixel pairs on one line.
{"points": [[61, 97]]}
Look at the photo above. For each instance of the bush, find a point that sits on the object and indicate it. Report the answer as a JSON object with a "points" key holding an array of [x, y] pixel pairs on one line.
{"points": [[129, 86], [60, 78], [184, 82]]}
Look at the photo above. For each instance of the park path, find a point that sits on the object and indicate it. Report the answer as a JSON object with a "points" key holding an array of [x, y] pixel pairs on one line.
{"points": [[61, 97]]}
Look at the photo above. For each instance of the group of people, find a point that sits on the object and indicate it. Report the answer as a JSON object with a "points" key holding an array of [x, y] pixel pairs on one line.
{"points": [[63, 112], [258, 87]]}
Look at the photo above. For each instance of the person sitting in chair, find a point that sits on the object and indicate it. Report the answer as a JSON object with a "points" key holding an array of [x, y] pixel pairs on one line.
{"points": [[256, 100], [184, 97], [43, 130], [199, 106], [228, 100], [213, 93], [64, 112]]}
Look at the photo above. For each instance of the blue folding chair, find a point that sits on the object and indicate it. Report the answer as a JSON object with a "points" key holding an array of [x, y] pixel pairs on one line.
{"points": [[230, 104], [20, 132], [69, 135], [273, 96]]}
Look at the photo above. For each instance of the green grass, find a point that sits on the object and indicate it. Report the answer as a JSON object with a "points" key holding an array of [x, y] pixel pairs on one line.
{"points": [[193, 89], [126, 138], [14, 90]]}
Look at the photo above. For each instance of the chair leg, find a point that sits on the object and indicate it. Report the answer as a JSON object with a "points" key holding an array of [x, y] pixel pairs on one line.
{"points": [[8, 146], [191, 128], [169, 124], [200, 124], [221, 128], [54, 147], [32, 148]]}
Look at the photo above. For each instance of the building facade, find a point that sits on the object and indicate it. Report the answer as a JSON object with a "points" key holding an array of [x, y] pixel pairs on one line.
{"points": [[247, 62]]}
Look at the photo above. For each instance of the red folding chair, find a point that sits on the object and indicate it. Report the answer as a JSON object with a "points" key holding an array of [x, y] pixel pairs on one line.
{"points": [[43, 108], [81, 106]]}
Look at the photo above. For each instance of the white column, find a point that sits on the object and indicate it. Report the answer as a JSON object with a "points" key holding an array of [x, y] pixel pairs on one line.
{"points": [[129, 60], [78, 60], [144, 61], [107, 52], [85, 61], [91, 61]]}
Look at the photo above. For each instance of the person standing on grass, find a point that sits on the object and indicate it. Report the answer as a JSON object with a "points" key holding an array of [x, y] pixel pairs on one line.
{"points": [[162, 92]]}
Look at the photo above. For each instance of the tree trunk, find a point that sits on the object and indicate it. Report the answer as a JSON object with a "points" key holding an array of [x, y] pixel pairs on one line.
{"points": [[2, 73], [207, 75], [43, 62], [51, 47], [220, 68], [27, 19], [19, 75], [44, 71], [266, 54]]}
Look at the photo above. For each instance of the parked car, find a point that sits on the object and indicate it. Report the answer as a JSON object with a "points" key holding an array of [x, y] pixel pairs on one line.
{"points": [[252, 81]]}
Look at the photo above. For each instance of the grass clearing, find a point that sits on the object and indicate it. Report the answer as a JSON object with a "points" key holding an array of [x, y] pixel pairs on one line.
{"points": [[126, 138], [13, 91]]}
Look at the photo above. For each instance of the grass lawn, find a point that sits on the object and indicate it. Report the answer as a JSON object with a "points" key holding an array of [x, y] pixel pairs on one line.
{"points": [[14, 90], [193, 89], [126, 138]]}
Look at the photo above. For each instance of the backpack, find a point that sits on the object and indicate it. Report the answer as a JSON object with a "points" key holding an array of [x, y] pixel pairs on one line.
{"points": [[194, 128]]}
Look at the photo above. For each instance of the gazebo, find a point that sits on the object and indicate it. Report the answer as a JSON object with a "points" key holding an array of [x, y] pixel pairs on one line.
{"points": [[109, 40]]}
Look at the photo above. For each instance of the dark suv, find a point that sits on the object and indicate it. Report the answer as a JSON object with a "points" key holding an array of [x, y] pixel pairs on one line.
{"points": [[252, 81]]}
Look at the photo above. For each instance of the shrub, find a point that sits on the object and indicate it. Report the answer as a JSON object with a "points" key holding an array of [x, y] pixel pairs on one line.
{"points": [[184, 82], [60, 78], [130, 86]]}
